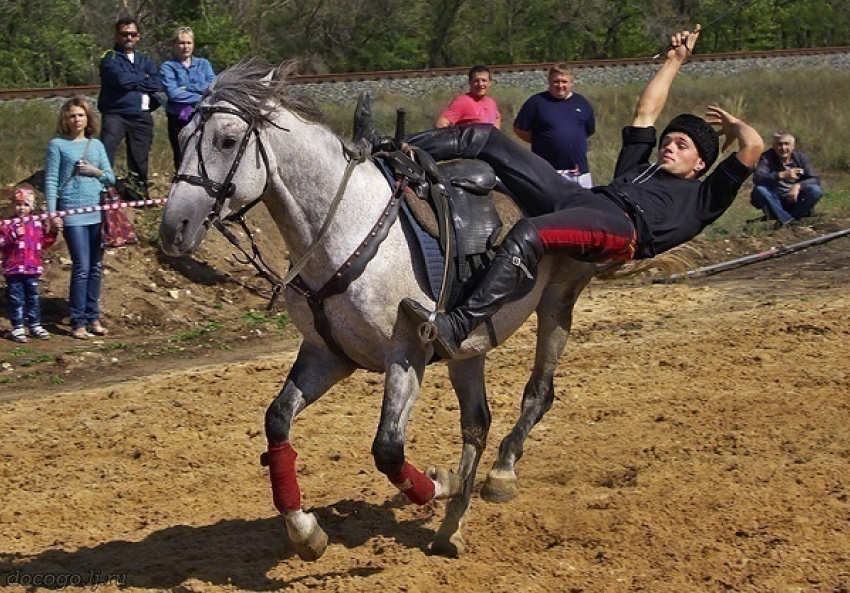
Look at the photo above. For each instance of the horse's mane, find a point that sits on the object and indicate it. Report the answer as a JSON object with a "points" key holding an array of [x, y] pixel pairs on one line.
{"points": [[256, 87]]}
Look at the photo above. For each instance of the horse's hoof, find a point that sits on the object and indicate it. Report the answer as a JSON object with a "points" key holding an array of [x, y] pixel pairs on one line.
{"points": [[448, 483], [308, 538], [451, 547], [500, 486], [313, 547]]}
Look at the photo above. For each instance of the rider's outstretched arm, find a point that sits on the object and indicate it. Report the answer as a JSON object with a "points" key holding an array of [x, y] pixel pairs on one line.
{"points": [[654, 96]]}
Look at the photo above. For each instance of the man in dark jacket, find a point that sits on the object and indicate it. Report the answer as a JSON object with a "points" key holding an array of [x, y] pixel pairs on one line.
{"points": [[786, 185], [129, 81], [647, 209]]}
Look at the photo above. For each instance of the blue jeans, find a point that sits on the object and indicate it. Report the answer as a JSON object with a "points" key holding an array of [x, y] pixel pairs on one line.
{"points": [[24, 302], [779, 209], [86, 271]]}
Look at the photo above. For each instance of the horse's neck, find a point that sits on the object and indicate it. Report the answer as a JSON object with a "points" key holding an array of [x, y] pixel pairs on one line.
{"points": [[310, 169]]}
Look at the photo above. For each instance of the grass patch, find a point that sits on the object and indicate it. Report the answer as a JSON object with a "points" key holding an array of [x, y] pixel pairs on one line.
{"points": [[196, 333], [21, 351], [252, 318], [37, 359], [146, 222]]}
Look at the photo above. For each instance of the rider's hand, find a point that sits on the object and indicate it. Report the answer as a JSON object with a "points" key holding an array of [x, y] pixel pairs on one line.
{"points": [[727, 122], [682, 43]]}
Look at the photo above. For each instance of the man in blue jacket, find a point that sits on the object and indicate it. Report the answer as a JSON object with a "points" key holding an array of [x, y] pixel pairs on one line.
{"points": [[129, 81]]}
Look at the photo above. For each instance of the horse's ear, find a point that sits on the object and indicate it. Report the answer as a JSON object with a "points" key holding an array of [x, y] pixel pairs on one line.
{"points": [[268, 77]]}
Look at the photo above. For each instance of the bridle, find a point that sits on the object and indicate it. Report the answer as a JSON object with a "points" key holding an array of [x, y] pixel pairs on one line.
{"points": [[224, 190]]}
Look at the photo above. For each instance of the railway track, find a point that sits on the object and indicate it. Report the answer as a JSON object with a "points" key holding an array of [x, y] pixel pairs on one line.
{"points": [[61, 92]]}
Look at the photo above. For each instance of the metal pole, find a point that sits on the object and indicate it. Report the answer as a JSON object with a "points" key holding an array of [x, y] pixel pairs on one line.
{"points": [[750, 259]]}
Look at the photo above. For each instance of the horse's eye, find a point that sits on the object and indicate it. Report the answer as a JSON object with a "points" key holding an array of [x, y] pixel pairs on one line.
{"points": [[228, 143]]}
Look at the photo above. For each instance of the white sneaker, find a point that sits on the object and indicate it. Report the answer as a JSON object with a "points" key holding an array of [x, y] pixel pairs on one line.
{"points": [[18, 335], [39, 332]]}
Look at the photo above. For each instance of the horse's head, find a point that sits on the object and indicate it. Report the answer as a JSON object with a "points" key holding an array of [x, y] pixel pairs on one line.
{"points": [[225, 167]]}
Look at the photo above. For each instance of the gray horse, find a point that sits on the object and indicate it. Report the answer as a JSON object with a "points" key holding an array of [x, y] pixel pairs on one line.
{"points": [[249, 141]]}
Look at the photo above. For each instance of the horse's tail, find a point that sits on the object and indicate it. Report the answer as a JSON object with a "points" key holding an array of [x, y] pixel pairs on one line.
{"points": [[676, 261]]}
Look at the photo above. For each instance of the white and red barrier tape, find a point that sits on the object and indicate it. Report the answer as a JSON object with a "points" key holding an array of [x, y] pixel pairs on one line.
{"points": [[62, 213]]}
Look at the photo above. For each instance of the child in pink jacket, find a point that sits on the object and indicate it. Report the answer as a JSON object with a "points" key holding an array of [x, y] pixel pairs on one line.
{"points": [[21, 244]]}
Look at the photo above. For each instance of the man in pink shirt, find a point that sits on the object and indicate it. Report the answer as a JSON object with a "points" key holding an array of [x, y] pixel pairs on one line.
{"points": [[475, 106]]}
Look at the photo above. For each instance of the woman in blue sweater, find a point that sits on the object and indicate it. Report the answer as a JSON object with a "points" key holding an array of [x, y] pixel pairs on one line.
{"points": [[77, 169]]}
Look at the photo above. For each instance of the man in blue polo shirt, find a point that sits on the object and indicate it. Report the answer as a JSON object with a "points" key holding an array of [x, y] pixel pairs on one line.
{"points": [[557, 123], [129, 81]]}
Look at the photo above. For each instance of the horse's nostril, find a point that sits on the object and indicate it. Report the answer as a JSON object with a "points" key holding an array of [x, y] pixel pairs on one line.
{"points": [[181, 228]]}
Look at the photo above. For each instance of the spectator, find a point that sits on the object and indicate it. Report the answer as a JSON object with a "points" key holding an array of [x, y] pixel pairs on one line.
{"points": [[786, 186], [129, 81], [185, 79], [557, 123], [77, 169], [475, 106], [21, 244]]}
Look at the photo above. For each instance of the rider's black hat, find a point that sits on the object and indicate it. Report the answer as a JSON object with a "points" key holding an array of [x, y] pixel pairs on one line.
{"points": [[703, 135]]}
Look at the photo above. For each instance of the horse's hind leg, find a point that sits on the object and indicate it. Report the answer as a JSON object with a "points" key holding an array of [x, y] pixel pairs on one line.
{"points": [[315, 371], [554, 320], [467, 377]]}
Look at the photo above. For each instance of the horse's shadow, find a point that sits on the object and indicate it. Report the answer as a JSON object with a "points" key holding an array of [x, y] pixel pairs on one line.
{"points": [[233, 552], [194, 270]]}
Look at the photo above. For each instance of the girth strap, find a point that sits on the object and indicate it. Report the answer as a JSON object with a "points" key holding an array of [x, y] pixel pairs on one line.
{"points": [[349, 271]]}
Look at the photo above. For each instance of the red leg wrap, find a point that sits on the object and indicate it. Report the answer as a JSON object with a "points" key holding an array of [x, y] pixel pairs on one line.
{"points": [[415, 485], [285, 491]]}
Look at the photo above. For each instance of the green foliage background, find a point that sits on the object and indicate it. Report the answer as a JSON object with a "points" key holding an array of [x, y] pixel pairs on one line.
{"points": [[59, 42]]}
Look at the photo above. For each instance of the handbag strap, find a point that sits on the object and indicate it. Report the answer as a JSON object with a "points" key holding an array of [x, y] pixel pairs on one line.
{"points": [[74, 171]]}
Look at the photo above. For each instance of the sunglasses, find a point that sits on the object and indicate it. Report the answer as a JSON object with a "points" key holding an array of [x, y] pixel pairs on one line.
{"points": [[128, 33]]}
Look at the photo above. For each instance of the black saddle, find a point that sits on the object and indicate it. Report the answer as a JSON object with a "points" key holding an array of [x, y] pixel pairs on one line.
{"points": [[456, 204]]}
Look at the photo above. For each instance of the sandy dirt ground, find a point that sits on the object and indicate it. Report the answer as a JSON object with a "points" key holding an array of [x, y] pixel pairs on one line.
{"points": [[700, 441]]}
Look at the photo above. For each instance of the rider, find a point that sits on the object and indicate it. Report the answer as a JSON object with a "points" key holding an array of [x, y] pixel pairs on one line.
{"points": [[647, 209]]}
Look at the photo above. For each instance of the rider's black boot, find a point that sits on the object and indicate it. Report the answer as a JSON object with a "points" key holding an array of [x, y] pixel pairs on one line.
{"points": [[452, 142], [509, 278]]}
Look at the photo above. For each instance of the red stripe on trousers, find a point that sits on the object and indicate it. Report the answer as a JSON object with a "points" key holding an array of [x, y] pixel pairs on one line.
{"points": [[600, 245]]}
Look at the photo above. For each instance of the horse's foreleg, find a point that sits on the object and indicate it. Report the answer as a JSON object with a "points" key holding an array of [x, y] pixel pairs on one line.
{"points": [[467, 377], [403, 380], [554, 319], [314, 372]]}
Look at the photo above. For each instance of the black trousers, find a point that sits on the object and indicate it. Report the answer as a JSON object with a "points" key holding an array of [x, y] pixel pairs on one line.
{"points": [[137, 130], [174, 127], [569, 218]]}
